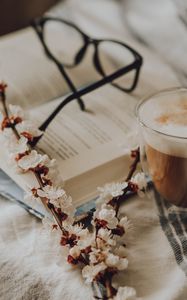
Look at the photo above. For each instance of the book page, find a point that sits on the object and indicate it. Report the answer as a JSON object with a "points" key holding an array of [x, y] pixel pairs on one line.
{"points": [[81, 141]]}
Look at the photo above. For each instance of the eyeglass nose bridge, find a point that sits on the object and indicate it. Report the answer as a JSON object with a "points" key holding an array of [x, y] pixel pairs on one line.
{"points": [[88, 41]]}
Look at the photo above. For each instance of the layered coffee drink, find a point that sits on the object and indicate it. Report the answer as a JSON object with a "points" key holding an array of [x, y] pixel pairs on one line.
{"points": [[163, 120]]}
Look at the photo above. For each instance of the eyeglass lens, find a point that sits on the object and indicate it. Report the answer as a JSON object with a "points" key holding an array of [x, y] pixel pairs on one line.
{"points": [[64, 42], [112, 57]]}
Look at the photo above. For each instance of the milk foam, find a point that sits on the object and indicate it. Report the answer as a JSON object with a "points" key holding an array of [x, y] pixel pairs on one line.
{"points": [[167, 115]]}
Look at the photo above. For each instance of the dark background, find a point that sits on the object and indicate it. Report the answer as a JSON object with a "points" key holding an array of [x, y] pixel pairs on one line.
{"points": [[15, 14]]}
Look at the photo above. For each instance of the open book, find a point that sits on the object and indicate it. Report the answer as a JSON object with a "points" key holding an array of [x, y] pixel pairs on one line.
{"points": [[88, 146]]}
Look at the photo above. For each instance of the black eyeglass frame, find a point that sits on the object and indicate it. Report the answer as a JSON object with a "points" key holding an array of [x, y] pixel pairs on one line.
{"points": [[38, 25]]}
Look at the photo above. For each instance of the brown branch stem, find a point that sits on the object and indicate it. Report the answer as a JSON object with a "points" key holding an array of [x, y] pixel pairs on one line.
{"points": [[134, 164], [110, 291], [38, 177]]}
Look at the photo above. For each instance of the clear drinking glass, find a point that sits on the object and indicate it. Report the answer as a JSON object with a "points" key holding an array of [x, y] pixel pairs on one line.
{"points": [[162, 122]]}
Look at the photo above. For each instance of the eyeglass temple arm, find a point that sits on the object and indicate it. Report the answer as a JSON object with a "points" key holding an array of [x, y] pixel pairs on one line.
{"points": [[83, 92], [71, 85], [74, 96]]}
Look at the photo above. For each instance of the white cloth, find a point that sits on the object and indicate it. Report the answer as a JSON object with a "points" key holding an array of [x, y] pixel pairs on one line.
{"points": [[29, 270], [162, 26]]}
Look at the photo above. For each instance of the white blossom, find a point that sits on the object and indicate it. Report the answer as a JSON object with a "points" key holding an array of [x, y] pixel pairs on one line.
{"points": [[111, 190], [120, 251], [86, 240], [112, 260], [32, 160], [125, 223], [51, 163], [140, 180], [94, 256], [18, 146], [122, 264], [17, 111], [108, 214], [66, 205], [126, 293], [54, 173], [51, 192], [77, 230], [104, 238], [117, 262], [30, 198], [8, 135], [98, 255], [30, 127], [68, 209], [58, 197], [75, 251], [90, 272]]}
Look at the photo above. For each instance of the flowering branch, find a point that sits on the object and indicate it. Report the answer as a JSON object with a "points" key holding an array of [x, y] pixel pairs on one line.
{"points": [[100, 253]]}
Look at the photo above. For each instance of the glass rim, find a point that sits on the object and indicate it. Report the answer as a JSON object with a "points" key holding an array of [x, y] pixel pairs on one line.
{"points": [[149, 97]]}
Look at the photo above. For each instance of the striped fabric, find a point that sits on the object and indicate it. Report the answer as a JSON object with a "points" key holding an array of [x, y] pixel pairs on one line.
{"points": [[174, 224]]}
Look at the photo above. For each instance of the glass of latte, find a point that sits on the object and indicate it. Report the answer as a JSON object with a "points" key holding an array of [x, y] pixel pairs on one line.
{"points": [[163, 128]]}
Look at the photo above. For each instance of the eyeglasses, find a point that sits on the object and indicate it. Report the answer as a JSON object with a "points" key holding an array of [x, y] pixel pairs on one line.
{"points": [[66, 45]]}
